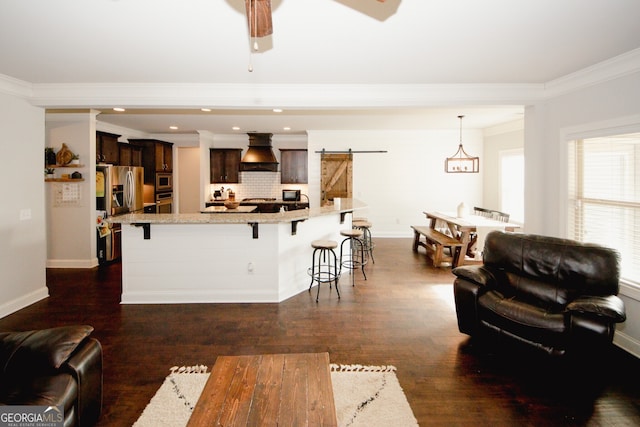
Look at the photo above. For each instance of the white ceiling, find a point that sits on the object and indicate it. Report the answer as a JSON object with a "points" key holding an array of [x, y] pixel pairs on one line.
{"points": [[146, 54]]}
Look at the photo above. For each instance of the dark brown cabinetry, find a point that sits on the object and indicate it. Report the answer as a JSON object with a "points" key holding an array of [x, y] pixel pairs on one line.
{"points": [[107, 148], [130, 154], [164, 157], [224, 164], [157, 156], [293, 166]]}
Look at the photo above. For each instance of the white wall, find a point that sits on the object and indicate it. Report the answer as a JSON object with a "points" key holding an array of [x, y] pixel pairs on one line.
{"points": [[407, 180], [509, 136], [71, 224], [605, 108], [22, 241]]}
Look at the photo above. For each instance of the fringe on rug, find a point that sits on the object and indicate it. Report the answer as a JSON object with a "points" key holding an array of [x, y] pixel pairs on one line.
{"points": [[196, 369], [361, 368]]}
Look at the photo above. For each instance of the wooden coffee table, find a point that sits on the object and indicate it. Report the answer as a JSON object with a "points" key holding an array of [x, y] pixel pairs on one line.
{"points": [[267, 390]]}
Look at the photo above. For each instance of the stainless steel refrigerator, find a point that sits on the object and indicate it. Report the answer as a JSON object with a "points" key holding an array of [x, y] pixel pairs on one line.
{"points": [[119, 190]]}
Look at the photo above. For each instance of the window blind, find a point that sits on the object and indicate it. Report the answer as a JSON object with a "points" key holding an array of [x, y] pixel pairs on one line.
{"points": [[604, 196]]}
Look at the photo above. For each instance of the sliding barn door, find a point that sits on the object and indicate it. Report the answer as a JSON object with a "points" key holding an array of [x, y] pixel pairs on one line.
{"points": [[336, 177]]}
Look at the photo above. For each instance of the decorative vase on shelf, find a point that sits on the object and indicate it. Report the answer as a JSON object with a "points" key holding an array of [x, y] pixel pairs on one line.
{"points": [[49, 156]]}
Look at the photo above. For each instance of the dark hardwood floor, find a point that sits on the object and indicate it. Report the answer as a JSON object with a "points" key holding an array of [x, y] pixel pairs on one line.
{"points": [[403, 315]]}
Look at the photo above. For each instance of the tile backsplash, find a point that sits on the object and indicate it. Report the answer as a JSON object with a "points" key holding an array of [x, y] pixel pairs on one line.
{"points": [[260, 184]]}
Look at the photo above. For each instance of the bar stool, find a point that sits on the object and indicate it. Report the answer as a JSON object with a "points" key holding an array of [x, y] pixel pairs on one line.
{"points": [[321, 271], [357, 256], [364, 225]]}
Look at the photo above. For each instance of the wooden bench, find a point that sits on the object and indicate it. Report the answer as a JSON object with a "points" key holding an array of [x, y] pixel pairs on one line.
{"points": [[434, 243], [267, 390]]}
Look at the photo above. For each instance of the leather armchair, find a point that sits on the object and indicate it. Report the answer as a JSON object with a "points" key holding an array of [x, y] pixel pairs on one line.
{"points": [[53, 367], [554, 294]]}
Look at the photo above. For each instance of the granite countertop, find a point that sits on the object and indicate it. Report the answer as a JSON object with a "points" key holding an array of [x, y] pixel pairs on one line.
{"points": [[258, 202], [345, 205], [223, 209]]}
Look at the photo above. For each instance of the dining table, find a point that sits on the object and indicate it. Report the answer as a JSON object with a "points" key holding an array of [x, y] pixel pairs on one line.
{"points": [[462, 228]]}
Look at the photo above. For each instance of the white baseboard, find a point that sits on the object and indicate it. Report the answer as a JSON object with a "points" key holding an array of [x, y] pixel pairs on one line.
{"points": [[23, 301], [72, 263], [627, 343]]}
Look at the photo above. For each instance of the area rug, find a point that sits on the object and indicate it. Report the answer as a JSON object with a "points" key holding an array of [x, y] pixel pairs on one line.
{"points": [[364, 396]]}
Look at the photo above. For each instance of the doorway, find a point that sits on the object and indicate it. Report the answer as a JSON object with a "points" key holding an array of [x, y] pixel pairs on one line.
{"points": [[189, 180]]}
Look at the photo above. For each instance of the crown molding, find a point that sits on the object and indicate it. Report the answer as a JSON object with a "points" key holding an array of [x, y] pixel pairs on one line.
{"points": [[613, 68], [15, 87], [285, 96], [176, 95], [512, 126]]}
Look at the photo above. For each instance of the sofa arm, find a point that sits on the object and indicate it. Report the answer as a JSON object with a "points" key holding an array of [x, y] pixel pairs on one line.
{"points": [[86, 366], [42, 350], [610, 307], [475, 273]]}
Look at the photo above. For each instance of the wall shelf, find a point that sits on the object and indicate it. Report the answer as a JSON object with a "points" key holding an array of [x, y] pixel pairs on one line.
{"points": [[64, 179], [63, 166]]}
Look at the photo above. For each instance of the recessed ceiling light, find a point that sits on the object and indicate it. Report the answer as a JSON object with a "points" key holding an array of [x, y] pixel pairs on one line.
{"points": [[173, 127], [206, 110], [236, 128], [277, 110], [120, 109], [286, 128]]}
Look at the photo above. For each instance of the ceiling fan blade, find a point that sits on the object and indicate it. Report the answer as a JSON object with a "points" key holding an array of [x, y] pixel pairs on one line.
{"points": [[259, 17]]}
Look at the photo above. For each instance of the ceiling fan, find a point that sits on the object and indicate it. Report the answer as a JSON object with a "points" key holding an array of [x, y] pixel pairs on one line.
{"points": [[259, 15]]}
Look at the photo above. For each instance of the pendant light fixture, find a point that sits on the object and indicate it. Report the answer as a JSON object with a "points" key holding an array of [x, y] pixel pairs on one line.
{"points": [[461, 162]]}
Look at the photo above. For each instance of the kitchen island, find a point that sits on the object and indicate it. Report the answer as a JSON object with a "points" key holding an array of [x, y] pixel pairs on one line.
{"points": [[224, 257]]}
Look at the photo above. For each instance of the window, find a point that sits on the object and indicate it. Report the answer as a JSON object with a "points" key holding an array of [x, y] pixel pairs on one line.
{"points": [[512, 184], [604, 196]]}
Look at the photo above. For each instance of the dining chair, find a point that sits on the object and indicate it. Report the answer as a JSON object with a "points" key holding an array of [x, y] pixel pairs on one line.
{"points": [[500, 216], [482, 212]]}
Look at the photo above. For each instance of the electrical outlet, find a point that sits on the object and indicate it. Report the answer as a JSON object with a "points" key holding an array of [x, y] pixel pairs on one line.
{"points": [[250, 267], [25, 214]]}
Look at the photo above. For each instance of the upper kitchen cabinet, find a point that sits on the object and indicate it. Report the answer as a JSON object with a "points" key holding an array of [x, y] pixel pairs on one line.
{"points": [[293, 166], [157, 156], [225, 165], [130, 154], [107, 148]]}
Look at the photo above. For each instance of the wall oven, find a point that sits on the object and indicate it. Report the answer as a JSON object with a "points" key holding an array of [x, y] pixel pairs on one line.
{"points": [[164, 203], [164, 181]]}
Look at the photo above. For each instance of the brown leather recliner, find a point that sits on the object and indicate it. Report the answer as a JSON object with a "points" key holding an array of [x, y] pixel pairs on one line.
{"points": [[555, 294], [53, 367]]}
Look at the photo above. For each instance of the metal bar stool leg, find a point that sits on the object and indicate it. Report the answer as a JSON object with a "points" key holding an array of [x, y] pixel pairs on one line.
{"points": [[325, 257]]}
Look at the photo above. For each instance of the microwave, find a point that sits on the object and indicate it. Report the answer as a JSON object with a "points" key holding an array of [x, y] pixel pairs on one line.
{"points": [[290, 195], [164, 181]]}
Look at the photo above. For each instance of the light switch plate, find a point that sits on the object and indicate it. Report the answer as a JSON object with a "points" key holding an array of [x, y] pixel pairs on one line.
{"points": [[25, 214]]}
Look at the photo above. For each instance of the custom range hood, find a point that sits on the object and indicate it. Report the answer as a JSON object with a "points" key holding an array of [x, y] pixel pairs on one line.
{"points": [[259, 156]]}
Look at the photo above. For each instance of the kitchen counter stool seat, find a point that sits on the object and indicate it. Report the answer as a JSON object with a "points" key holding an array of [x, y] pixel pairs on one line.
{"points": [[355, 256], [365, 226], [324, 265]]}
